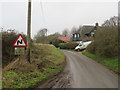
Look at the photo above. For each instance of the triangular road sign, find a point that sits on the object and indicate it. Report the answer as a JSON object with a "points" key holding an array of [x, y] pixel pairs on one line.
{"points": [[20, 42]]}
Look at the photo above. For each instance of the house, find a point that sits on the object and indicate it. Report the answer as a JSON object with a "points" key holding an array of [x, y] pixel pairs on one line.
{"points": [[88, 32], [65, 39], [77, 37]]}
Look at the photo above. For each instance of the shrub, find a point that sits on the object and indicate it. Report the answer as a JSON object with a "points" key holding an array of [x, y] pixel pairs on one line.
{"points": [[91, 48], [62, 45], [105, 43], [7, 48], [56, 42], [69, 45]]}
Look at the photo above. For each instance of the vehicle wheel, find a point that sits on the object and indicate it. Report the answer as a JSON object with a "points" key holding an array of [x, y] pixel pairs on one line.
{"points": [[78, 50]]}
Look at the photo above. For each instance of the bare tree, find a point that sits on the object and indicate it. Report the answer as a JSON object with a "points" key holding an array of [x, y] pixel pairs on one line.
{"points": [[119, 13], [73, 30], [65, 32], [41, 36], [42, 33], [79, 29], [113, 21]]}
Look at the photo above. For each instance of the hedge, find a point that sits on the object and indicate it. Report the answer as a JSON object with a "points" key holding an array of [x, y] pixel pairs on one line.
{"points": [[105, 43], [69, 45]]}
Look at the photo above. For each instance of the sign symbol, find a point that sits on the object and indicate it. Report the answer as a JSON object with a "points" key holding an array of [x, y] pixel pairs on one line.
{"points": [[20, 42]]}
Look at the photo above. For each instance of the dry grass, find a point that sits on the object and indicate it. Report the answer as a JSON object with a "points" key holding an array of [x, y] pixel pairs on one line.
{"points": [[20, 65], [46, 60]]}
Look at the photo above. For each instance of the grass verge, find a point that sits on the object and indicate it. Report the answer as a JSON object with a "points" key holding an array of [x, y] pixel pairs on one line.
{"points": [[111, 63], [48, 61]]}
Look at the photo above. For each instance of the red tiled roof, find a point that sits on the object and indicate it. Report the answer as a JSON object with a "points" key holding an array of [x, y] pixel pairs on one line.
{"points": [[65, 39]]}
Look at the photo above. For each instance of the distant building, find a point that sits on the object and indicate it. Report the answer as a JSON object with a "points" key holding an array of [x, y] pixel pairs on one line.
{"points": [[77, 37], [87, 33], [89, 30], [65, 39]]}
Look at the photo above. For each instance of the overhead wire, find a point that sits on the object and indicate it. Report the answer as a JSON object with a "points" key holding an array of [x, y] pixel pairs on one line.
{"points": [[43, 16]]}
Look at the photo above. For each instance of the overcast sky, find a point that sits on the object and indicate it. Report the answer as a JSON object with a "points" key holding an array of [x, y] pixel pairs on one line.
{"points": [[56, 16]]}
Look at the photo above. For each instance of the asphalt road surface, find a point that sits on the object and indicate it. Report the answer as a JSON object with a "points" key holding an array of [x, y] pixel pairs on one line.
{"points": [[82, 72]]}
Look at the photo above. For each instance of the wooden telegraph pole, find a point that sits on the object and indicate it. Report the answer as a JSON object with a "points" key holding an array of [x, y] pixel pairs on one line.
{"points": [[29, 31]]}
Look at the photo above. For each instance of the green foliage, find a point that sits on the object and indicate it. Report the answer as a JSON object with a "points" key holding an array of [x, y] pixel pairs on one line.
{"points": [[46, 39], [24, 80], [105, 43], [58, 56], [69, 45], [111, 63], [56, 42], [91, 48], [21, 80]]}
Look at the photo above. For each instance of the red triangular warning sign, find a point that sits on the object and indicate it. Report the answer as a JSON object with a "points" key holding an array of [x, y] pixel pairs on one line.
{"points": [[20, 42]]}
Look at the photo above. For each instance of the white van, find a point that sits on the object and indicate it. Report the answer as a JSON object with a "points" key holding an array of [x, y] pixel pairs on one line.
{"points": [[82, 45]]}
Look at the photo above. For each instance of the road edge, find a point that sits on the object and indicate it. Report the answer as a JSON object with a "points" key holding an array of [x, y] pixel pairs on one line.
{"points": [[52, 76]]}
